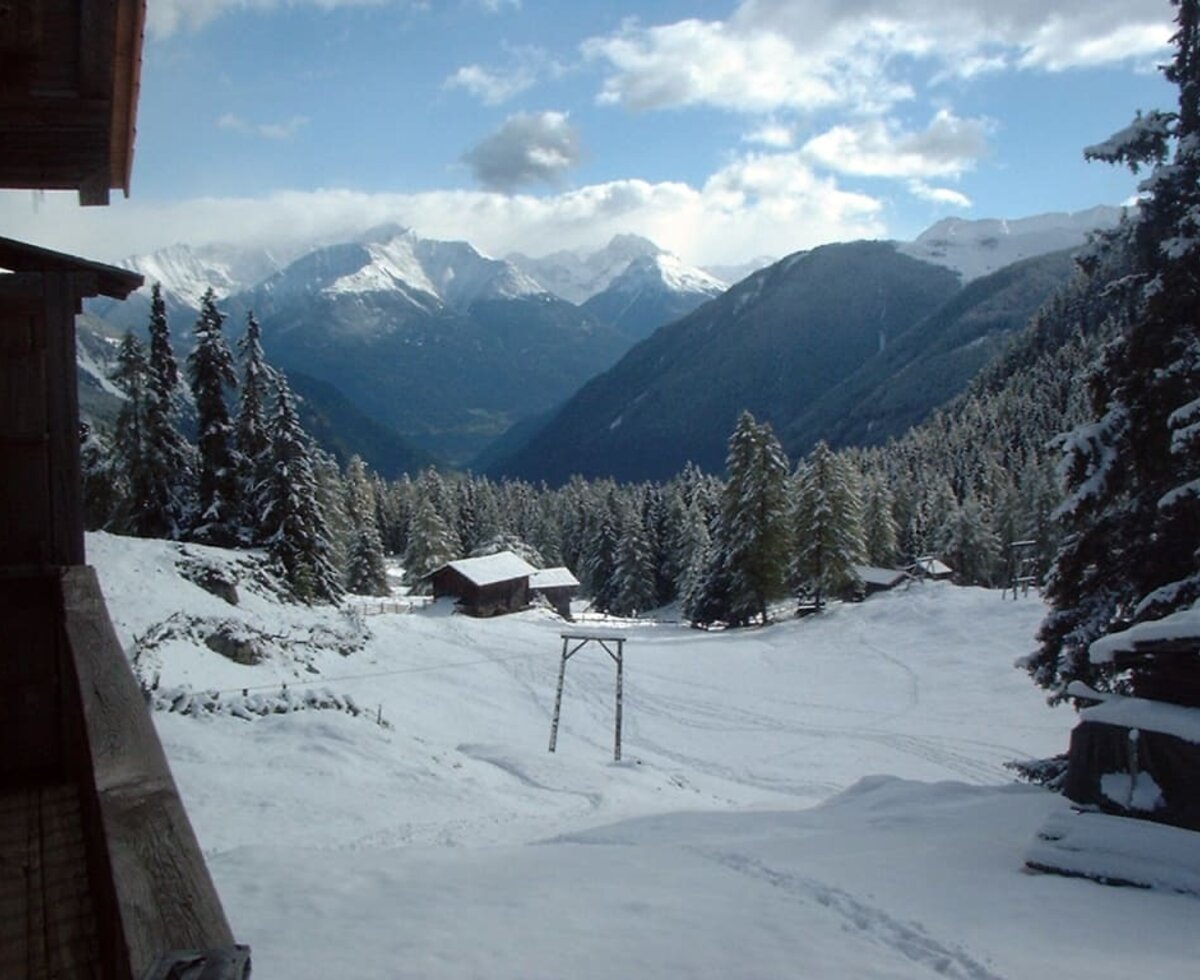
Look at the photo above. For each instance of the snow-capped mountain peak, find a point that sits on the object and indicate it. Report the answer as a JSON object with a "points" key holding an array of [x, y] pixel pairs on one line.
{"points": [[977, 248], [186, 272]]}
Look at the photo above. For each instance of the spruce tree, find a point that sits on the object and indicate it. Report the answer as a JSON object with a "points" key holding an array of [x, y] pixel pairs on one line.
{"points": [[753, 534], [211, 375], [431, 543], [166, 509], [131, 375], [251, 435], [634, 572], [297, 538], [1132, 516], [828, 526], [879, 529], [366, 570]]}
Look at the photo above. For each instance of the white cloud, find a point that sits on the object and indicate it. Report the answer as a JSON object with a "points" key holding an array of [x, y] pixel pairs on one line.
{"points": [[529, 148], [526, 65], [938, 195], [758, 204], [773, 55], [166, 17], [949, 146], [271, 131], [491, 88], [774, 135]]}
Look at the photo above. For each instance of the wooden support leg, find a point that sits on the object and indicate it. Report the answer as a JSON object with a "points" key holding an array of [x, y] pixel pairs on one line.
{"points": [[562, 672], [617, 735]]}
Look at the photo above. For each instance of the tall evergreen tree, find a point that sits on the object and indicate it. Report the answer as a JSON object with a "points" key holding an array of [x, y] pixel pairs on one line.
{"points": [[251, 436], [131, 375], [366, 569], [828, 526], [165, 510], [879, 528], [634, 575], [211, 375], [431, 543], [297, 537], [753, 535], [1132, 517]]}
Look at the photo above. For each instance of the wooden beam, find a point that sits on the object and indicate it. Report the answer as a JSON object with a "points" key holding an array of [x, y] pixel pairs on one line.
{"points": [[163, 894], [111, 281]]}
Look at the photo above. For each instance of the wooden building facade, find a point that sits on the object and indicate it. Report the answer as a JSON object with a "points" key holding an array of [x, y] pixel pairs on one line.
{"points": [[101, 876], [488, 586]]}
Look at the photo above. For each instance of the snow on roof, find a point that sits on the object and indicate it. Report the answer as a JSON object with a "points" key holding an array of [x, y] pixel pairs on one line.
{"points": [[553, 578], [873, 575], [932, 566], [1181, 625], [503, 566], [1151, 716]]}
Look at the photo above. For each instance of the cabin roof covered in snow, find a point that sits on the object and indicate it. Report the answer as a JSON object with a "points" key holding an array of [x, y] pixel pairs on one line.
{"points": [[504, 566], [1178, 626], [873, 575], [929, 565], [1151, 716], [553, 578]]}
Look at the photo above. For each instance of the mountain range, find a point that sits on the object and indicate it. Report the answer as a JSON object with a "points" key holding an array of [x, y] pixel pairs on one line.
{"points": [[623, 361]]}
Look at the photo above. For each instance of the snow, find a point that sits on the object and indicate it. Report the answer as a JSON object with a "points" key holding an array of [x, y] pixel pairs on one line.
{"points": [[552, 578], [747, 834], [1181, 625], [490, 569], [1151, 716], [886, 577], [980, 247]]}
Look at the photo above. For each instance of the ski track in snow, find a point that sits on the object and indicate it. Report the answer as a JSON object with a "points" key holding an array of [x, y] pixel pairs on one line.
{"points": [[909, 940]]}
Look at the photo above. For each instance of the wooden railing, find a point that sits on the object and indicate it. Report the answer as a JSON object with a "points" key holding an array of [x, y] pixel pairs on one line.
{"points": [[155, 899]]}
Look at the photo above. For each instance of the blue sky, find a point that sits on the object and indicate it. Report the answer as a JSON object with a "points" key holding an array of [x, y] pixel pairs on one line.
{"points": [[722, 130]]}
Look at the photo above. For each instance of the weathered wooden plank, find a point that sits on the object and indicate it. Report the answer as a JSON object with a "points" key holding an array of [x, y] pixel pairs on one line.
{"points": [[164, 894], [62, 419]]}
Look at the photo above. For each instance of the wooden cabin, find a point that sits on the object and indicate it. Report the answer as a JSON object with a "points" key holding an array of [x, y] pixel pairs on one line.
{"points": [[101, 876], [873, 579], [487, 586], [557, 586], [1139, 755], [930, 567]]}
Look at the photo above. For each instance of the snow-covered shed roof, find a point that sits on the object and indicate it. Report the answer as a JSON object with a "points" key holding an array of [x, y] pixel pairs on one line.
{"points": [[929, 565], [1181, 625], [873, 575], [553, 578], [503, 566]]}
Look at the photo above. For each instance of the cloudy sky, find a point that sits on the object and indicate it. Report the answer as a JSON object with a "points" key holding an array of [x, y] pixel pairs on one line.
{"points": [[722, 130]]}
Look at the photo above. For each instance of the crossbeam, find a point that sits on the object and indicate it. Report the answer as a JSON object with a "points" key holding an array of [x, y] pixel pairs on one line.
{"points": [[617, 653]]}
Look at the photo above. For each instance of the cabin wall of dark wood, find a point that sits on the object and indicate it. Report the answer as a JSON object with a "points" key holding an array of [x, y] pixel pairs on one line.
{"points": [[41, 511]]}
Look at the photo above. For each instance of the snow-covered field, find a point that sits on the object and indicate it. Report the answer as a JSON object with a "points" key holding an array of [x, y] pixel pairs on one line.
{"points": [[822, 798]]}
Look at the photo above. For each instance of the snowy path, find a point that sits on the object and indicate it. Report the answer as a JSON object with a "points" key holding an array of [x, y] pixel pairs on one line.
{"points": [[745, 835]]}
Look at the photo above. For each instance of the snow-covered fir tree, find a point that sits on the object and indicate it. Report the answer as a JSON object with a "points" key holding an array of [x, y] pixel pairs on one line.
{"points": [[879, 528], [366, 569], [1132, 516], [828, 526], [634, 585], [101, 479], [251, 431], [211, 375], [431, 543], [969, 544], [131, 375], [296, 534], [752, 538], [165, 509]]}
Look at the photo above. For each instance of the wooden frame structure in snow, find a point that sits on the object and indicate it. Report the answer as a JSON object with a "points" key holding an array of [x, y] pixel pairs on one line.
{"points": [[618, 655]]}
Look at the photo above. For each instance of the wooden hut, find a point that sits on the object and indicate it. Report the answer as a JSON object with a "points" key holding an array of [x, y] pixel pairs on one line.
{"points": [[109, 881], [557, 586], [931, 567], [1139, 755], [873, 579], [487, 586]]}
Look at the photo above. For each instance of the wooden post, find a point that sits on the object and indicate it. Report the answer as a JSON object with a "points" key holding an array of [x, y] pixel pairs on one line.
{"points": [[562, 673], [620, 670]]}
